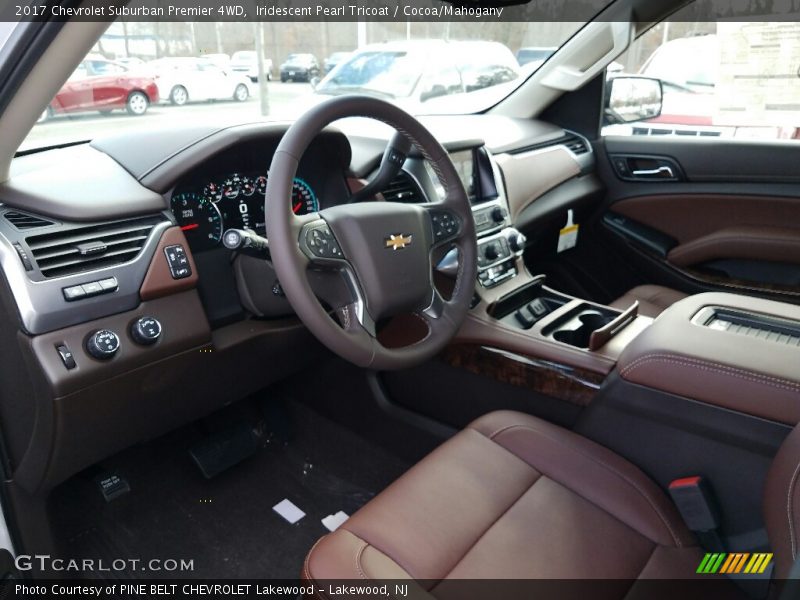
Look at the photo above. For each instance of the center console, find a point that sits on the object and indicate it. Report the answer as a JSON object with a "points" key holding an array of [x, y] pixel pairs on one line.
{"points": [[515, 311], [736, 352]]}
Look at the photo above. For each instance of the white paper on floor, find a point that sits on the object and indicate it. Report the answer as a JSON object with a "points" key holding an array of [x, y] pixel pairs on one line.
{"points": [[333, 522], [288, 511]]}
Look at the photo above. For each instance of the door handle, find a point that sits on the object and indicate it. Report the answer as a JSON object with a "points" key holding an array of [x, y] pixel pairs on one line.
{"points": [[646, 167], [665, 172]]}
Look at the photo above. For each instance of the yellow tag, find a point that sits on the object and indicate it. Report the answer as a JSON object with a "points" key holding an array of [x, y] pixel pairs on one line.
{"points": [[568, 236]]}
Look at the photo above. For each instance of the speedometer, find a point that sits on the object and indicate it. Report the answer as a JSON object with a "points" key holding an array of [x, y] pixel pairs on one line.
{"points": [[304, 201], [199, 219]]}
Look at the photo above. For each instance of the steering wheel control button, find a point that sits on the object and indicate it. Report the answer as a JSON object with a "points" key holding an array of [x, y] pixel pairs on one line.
{"points": [[102, 344], [445, 225], [66, 356], [322, 244], [146, 331], [178, 262]]}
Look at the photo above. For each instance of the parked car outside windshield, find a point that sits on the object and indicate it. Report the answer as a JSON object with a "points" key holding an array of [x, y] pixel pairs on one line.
{"points": [[182, 80], [299, 67], [103, 86], [415, 72], [246, 63]]}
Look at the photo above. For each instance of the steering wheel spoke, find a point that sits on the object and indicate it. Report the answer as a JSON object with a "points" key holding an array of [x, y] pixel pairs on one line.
{"points": [[356, 320], [435, 309]]}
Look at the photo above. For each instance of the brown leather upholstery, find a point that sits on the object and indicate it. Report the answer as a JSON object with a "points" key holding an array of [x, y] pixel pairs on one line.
{"points": [[512, 497], [782, 504], [755, 375], [653, 299]]}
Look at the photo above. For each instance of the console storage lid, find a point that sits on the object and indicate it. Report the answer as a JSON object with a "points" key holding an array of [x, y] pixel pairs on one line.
{"points": [[737, 352]]}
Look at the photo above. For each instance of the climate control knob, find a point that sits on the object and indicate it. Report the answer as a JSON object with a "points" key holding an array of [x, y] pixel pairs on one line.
{"points": [[517, 242], [498, 214], [146, 330], [490, 252], [102, 344]]}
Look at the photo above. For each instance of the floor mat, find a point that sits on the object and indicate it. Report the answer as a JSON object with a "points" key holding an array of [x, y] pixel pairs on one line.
{"points": [[225, 525]]}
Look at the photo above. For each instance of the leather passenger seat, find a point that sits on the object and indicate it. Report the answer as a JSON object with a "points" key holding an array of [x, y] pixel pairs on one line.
{"points": [[653, 299], [515, 497]]}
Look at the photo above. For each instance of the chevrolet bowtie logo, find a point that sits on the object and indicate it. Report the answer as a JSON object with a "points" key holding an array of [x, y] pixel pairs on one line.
{"points": [[398, 241]]}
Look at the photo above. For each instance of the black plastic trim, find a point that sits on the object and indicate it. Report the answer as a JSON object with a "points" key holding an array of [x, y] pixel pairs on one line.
{"points": [[639, 234]]}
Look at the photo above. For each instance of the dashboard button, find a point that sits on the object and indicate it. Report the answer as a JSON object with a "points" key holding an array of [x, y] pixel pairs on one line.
{"points": [[178, 261], [108, 285], [146, 330], [102, 344], [92, 288], [66, 356], [73, 293]]}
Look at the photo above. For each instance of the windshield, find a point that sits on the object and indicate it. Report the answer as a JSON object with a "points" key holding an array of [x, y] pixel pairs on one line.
{"points": [[392, 73], [148, 73]]}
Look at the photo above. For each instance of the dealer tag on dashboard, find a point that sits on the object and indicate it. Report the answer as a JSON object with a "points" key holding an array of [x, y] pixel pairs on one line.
{"points": [[568, 236]]}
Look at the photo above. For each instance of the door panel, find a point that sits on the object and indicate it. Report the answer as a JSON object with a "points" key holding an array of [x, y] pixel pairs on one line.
{"points": [[731, 220]]}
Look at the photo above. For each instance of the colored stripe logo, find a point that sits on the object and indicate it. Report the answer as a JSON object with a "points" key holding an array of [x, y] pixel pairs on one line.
{"points": [[735, 562]]}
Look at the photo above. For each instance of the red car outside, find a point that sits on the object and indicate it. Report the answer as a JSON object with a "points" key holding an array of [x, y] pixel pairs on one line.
{"points": [[103, 85]]}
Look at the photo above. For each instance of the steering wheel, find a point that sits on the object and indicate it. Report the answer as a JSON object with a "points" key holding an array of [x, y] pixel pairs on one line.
{"points": [[383, 249]]}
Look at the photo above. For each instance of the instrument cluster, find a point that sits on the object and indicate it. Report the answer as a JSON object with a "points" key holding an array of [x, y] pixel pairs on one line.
{"points": [[232, 201]]}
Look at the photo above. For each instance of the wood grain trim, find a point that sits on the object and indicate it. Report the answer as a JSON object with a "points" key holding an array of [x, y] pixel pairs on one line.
{"points": [[158, 281], [570, 384]]}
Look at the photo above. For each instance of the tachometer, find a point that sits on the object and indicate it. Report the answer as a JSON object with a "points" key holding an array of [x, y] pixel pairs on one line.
{"points": [[199, 219], [304, 201]]}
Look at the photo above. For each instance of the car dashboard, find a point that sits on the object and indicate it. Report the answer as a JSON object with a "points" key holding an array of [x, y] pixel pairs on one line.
{"points": [[119, 291]]}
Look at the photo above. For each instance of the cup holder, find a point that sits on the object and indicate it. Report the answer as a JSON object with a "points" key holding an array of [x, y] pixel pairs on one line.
{"points": [[577, 329]]}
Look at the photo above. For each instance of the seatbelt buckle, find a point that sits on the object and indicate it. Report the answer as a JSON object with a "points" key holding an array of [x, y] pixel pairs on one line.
{"points": [[695, 502]]}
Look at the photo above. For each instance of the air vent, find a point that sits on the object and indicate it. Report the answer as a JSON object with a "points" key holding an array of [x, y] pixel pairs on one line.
{"points": [[24, 221], [576, 145], [89, 248], [403, 189]]}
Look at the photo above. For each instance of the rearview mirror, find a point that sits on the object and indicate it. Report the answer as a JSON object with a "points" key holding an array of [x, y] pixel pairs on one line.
{"points": [[631, 99]]}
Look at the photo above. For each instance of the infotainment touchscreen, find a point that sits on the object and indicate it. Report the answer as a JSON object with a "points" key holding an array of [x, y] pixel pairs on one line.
{"points": [[463, 162], [474, 168]]}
